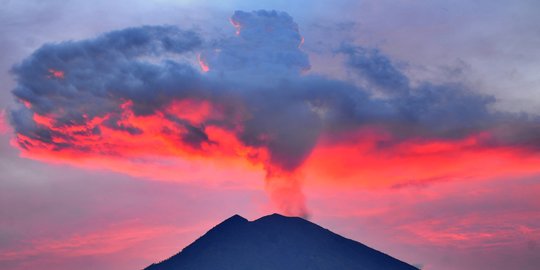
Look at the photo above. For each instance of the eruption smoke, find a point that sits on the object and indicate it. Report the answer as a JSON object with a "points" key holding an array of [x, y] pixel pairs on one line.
{"points": [[137, 93]]}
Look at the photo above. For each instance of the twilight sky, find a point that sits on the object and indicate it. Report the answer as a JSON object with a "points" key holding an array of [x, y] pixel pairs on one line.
{"points": [[128, 129]]}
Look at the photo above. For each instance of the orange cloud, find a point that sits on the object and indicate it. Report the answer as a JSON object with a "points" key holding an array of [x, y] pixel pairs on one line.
{"points": [[156, 153], [413, 163]]}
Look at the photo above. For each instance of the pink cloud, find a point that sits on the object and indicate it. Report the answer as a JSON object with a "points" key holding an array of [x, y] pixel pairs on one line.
{"points": [[4, 127], [120, 243], [106, 241], [435, 224]]}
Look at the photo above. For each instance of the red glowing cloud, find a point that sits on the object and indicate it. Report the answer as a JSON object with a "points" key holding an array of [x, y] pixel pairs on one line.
{"points": [[155, 151], [415, 163], [53, 73], [250, 110], [4, 127], [236, 25], [202, 63]]}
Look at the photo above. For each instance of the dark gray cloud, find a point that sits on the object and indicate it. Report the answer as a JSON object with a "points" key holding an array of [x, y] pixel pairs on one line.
{"points": [[439, 110], [267, 44], [258, 80], [98, 75]]}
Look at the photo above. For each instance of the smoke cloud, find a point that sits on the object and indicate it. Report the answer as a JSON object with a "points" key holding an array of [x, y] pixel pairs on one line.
{"points": [[164, 91]]}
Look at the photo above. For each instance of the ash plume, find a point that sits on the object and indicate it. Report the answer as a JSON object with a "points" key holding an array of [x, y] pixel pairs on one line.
{"points": [[106, 95]]}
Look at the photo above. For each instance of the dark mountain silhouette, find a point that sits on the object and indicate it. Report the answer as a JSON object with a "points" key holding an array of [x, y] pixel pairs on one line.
{"points": [[279, 243]]}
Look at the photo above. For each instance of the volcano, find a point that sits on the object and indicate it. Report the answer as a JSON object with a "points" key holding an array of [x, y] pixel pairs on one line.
{"points": [[277, 242]]}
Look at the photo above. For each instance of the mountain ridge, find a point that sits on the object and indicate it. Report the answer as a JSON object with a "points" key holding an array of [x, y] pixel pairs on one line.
{"points": [[276, 242]]}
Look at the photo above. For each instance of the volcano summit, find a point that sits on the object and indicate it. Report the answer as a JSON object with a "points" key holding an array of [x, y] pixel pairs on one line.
{"points": [[277, 242]]}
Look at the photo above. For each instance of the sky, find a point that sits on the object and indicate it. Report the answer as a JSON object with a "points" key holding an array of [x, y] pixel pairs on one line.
{"points": [[128, 129]]}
